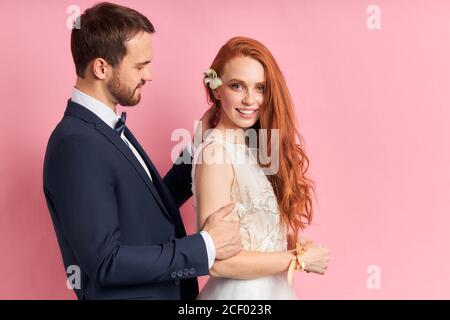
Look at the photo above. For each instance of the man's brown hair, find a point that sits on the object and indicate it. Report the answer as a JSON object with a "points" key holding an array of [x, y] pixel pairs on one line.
{"points": [[104, 28]]}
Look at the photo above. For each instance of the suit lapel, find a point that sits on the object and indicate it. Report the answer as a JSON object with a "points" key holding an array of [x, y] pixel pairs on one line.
{"points": [[157, 181], [79, 111], [115, 139], [155, 175]]}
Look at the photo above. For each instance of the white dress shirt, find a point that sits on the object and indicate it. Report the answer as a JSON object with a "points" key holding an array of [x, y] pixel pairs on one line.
{"points": [[108, 116]]}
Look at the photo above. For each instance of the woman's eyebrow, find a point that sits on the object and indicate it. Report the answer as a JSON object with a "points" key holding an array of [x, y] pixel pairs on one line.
{"points": [[236, 80], [239, 80]]}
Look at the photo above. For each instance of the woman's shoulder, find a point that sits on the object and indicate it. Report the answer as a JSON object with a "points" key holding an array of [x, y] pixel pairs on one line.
{"points": [[212, 152], [212, 168]]}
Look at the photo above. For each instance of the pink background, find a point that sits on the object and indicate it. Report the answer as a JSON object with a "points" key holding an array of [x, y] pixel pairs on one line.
{"points": [[373, 107]]}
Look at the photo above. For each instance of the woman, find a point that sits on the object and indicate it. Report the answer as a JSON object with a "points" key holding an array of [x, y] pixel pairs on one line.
{"points": [[249, 93]]}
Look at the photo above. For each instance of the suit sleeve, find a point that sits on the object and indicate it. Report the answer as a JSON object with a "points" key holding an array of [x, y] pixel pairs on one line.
{"points": [[178, 179], [82, 190]]}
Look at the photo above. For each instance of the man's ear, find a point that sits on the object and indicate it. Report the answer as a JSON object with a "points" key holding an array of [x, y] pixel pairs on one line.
{"points": [[100, 68]]}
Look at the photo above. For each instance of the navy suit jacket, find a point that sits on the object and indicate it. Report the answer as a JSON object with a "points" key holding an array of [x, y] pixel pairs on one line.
{"points": [[122, 230]]}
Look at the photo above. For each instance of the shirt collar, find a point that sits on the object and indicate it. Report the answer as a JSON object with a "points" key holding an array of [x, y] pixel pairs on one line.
{"points": [[101, 110]]}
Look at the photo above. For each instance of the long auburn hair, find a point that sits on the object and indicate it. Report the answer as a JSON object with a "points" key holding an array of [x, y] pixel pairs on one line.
{"points": [[292, 187]]}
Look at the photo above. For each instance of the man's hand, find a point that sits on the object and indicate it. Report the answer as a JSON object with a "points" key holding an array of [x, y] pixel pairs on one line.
{"points": [[225, 234]]}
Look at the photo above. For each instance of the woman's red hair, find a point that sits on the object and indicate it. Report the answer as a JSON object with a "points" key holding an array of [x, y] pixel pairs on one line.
{"points": [[291, 186]]}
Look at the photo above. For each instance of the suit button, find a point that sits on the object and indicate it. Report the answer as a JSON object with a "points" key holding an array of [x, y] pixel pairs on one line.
{"points": [[173, 275], [180, 273], [186, 272], [192, 271]]}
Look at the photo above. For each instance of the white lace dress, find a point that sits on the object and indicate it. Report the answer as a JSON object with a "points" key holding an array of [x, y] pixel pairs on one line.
{"points": [[260, 227]]}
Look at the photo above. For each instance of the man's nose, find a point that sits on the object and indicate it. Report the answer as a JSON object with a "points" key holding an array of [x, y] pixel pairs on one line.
{"points": [[147, 75]]}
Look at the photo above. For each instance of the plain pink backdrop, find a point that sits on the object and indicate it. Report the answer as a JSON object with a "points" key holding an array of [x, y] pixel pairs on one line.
{"points": [[372, 105]]}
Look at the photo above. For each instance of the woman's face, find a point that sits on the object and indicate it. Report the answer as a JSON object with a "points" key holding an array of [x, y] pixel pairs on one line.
{"points": [[242, 92]]}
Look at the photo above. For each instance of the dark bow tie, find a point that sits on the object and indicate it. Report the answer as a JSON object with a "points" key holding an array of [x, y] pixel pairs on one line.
{"points": [[120, 126]]}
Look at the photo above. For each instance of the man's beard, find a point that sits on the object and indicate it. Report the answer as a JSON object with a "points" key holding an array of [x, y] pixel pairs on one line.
{"points": [[124, 95]]}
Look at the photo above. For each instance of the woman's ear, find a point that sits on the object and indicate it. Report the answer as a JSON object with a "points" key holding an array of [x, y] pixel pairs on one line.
{"points": [[216, 94]]}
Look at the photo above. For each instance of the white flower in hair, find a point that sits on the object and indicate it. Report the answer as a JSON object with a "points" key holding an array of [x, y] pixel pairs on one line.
{"points": [[212, 79]]}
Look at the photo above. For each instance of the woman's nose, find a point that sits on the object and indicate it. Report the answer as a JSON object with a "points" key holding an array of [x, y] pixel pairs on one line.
{"points": [[248, 99]]}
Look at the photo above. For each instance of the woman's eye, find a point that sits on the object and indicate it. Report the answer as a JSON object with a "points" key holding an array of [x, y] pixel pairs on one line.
{"points": [[261, 88], [236, 86]]}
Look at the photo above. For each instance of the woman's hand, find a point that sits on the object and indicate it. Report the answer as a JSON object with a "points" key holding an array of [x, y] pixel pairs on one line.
{"points": [[316, 258], [309, 257]]}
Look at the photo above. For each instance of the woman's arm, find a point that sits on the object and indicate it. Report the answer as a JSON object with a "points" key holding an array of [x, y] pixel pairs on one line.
{"points": [[213, 182], [252, 264]]}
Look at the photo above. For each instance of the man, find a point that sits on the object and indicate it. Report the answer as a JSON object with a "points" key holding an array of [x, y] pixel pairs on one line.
{"points": [[114, 216]]}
